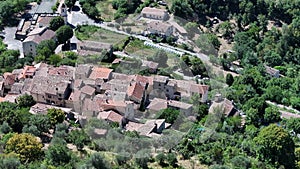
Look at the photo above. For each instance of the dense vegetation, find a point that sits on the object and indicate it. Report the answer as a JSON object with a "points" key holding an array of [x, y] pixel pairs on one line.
{"points": [[257, 43]]}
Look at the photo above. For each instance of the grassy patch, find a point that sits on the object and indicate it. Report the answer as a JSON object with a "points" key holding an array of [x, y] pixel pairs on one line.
{"points": [[106, 10], [98, 34], [135, 45], [137, 48]]}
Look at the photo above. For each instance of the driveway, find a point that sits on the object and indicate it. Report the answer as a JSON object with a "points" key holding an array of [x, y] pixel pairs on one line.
{"points": [[12, 43]]}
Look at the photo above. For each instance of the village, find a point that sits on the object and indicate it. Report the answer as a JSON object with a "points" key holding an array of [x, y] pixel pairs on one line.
{"points": [[149, 84], [89, 91]]}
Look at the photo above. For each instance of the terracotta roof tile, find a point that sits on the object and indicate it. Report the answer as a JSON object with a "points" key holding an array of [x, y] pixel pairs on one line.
{"points": [[100, 72], [88, 90], [136, 90], [110, 115]]}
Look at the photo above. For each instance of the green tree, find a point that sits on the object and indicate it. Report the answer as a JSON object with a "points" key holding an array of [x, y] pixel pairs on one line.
{"points": [[201, 110], [46, 48], [58, 154], [63, 34], [6, 11], [273, 93], [9, 162], [9, 112], [229, 79], [41, 122], [26, 146], [192, 29], [31, 129], [276, 145], [169, 114], [55, 116], [79, 138], [5, 128], [70, 3], [56, 23], [253, 117], [226, 28], [141, 158], [160, 159], [55, 59], [160, 57], [182, 9], [25, 101], [293, 124], [213, 39], [171, 159], [97, 161], [198, 67], [271, 115]]}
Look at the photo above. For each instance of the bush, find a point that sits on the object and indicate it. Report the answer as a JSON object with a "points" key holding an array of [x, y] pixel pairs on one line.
{"points": [[160, 159], [25, 101], [26, 146]]}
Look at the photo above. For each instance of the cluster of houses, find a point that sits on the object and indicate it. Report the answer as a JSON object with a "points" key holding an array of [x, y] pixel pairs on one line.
{"points": [[159, 24], [88, 91], [33, 29], [99, 92]]}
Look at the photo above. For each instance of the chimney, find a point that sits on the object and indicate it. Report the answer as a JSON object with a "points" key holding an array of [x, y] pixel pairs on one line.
{"points": [[218, 98]]}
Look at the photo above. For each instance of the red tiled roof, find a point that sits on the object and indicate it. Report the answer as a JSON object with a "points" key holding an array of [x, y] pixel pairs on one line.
{"points": [[228, 106], [75, 95], [88, 90], [198, 88], [110, 115], [9, 78], [100, 72], [27, 71], [136, 90], [143, 80]]}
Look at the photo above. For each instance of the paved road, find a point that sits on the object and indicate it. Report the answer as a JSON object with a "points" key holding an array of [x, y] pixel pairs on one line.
{"points": [[286, 114], [12, 43], [79, 18], [44, 7]]}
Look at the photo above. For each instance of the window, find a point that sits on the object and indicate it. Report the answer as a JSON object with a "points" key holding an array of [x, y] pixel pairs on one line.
{"points": [[49, 96]]}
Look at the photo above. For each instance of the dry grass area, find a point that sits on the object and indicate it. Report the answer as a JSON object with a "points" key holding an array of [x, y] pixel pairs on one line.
{"points": [[106, 10], [94, 33]]}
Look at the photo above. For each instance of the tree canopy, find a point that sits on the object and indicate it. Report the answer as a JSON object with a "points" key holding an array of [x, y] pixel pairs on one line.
{"points": [[63, 34], [277, 145], [26, 146], [56, 23], [55, 116]]}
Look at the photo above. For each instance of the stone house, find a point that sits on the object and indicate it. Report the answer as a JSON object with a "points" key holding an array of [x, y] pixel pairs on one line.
{"points": [[93, 48], [272, 72], [165, 85], [53, 90], [101, 73], [34, 38], [160, 28], [154, 13]]}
